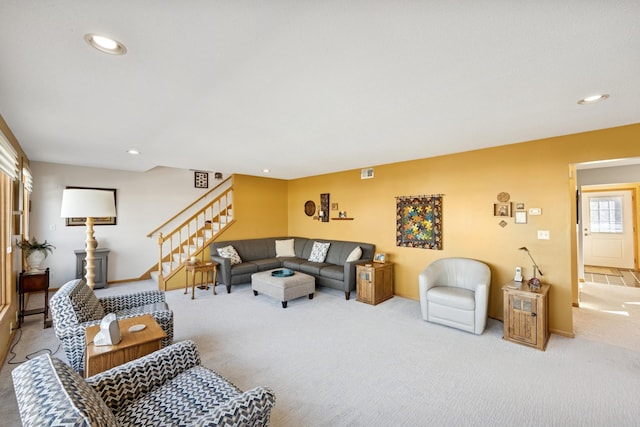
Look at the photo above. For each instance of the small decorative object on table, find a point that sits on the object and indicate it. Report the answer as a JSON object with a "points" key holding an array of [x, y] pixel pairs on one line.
{"points": [[380, 257], [284, 272]]}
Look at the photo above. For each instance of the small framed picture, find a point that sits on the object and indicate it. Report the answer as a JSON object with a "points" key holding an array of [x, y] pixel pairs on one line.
{"points": [[519, 206], [334, 206], [201, 179], [521, 217], [502, 209], [380, 257]]}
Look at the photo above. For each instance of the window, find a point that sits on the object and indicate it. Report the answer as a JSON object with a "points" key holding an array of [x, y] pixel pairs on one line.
{"points": [[606, 214]]}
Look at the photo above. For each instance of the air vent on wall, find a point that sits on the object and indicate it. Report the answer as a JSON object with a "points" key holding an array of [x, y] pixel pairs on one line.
{"points": [[366, 173]]}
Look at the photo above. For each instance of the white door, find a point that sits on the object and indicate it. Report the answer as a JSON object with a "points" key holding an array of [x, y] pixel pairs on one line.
{"points": [[607, 227]]}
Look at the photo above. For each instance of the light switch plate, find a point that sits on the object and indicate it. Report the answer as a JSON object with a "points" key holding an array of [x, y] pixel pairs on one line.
{"points": [[535, 211], [543, 234]]}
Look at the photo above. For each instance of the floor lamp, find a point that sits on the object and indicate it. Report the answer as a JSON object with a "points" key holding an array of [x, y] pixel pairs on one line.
{"points": [[89, 204]]}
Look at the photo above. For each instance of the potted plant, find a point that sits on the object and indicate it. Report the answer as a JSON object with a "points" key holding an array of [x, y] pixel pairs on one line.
{"points": [[35, 252]]}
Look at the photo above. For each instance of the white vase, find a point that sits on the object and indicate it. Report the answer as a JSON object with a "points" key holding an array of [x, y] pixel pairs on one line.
{"points": [[35, 260]]}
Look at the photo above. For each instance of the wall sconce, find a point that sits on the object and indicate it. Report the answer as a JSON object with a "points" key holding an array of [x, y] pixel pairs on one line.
{"points": [[534, 282]]}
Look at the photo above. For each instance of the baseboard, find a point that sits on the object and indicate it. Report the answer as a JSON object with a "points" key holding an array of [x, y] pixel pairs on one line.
{"points": [[562, 333]]}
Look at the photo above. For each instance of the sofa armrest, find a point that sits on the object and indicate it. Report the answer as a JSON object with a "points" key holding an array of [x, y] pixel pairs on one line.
{"points": [[224, 270], [251, 408], [134, 379], [114, 303]]}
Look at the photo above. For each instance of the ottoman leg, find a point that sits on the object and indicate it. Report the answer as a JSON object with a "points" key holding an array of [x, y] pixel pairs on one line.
{"points": [[310, 296], [255, 293], [284, 304]]}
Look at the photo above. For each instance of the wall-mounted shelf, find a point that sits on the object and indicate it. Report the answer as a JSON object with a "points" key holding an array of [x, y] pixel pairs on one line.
{"points": [[342, 219]]}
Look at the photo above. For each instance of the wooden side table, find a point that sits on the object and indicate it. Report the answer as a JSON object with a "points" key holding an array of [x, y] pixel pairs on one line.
{"points": [[132, 346], [33, 281], [374, 282], [200, 267], [526, 314]]}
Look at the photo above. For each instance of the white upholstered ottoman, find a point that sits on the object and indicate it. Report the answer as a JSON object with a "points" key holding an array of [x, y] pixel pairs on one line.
{"points": [[283, 288]]}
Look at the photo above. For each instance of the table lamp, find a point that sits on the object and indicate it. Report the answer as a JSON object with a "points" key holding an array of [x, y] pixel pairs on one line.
{"points": [[534, 282], [89, 204]]}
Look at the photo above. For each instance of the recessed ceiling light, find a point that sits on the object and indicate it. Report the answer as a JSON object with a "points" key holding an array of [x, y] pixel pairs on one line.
{"points": [[133, 152], [266, 170], [105, 44], [593, 98]]}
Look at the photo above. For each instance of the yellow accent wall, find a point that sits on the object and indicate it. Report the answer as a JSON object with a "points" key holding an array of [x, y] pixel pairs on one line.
{"points": [[537, 173]]}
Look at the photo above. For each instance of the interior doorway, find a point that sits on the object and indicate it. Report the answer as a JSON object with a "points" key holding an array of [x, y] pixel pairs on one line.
{"points": [[607, 228], [607, 300]]}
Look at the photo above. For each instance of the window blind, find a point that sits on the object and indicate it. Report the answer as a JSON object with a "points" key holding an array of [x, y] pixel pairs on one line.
{"points": [[27, 180], [8, 158]]}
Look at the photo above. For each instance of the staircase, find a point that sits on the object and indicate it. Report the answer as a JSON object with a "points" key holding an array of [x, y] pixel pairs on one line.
{"points": [[198, 225]]}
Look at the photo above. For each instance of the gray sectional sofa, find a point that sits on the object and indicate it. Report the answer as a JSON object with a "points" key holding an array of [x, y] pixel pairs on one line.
{"points": [[260, 255]]}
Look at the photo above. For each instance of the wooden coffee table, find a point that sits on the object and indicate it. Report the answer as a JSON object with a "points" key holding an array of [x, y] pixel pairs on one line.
{"points": [[132, 346]]}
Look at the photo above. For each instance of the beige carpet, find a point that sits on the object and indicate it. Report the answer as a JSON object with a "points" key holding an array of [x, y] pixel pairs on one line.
{"points": [[333, 362]]}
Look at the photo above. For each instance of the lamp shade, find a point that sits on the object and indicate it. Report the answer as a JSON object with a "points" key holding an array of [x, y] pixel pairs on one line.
{"points": [[82, 203]]}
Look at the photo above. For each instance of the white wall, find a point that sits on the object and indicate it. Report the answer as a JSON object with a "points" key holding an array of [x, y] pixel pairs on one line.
{"points": [[144, 201]]}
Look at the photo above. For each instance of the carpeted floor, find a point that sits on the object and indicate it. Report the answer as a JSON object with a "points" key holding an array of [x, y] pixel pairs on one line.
{"points": [[333, 362]]}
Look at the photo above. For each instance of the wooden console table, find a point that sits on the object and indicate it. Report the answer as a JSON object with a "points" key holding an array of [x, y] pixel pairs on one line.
{"points": [[132, 346], [200, 267], [33, 281]]}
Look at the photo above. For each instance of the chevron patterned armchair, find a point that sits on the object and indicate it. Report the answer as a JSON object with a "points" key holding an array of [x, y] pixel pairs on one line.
{"points": [[166, 388], [75, 306]]}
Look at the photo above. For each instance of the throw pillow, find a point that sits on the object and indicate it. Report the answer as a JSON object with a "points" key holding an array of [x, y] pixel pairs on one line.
{"points": [[355, 254], [230, 252], [284, 248], [319, 252]]}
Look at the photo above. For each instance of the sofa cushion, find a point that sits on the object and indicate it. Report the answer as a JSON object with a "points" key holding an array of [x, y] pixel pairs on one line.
{"points": [[313, 267], [244, 268], [333, 272], [50, 392], [293, 263], [267, 264], [231, 253], [85, 303], [285, 248], [319, 251], [355, 254]]}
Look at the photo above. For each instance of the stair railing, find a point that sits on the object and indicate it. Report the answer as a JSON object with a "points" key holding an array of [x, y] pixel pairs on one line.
{"points": [[191, 236]]}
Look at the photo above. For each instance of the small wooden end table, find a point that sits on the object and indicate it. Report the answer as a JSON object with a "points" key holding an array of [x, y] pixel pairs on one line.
{"points": [[132, 346], [33, 281], [200, 267]]}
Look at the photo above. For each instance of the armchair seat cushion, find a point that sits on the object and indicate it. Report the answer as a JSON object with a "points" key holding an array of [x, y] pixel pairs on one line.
{"points": [[460, 298], [196, 392]]}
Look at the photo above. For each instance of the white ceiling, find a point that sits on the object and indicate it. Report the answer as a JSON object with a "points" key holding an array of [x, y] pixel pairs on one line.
{"points": [[309, 87]]}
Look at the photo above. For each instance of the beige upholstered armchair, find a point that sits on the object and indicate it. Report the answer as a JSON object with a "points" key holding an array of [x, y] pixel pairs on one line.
{"points": [[455, 292]]}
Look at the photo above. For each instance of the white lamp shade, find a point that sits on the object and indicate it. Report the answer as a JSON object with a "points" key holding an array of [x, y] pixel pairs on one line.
{"points": [[82, 203]]}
